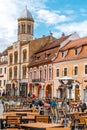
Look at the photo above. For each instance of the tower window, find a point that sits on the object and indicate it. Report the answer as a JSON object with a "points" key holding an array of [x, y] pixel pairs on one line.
{"points": [[18, 29], [29, 29], [23, 28]]}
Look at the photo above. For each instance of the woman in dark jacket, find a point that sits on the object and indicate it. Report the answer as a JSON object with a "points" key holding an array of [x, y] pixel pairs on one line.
{"points": [[84, 107]]}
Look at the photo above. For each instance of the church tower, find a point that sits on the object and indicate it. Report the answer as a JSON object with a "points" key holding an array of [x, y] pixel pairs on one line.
{"points": [[25, 26]]}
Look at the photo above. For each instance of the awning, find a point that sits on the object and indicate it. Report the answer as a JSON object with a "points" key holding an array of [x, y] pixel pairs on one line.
{"points": [[66, 78]]}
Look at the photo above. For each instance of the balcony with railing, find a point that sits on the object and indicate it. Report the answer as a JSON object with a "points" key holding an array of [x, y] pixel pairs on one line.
{"points": [[38, 80]]}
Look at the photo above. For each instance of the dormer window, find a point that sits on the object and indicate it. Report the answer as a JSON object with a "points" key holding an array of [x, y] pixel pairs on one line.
{"points": [[47, 55], [64, 53], [76, 51], [38, 57], [35, 57]]}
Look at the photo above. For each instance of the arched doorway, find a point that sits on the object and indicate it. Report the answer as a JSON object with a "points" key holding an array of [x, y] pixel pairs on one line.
{"points": [[13, 90], [48, 91], [39, 91], [14, 87]]}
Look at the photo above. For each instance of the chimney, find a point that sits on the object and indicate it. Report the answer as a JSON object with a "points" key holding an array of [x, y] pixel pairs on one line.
{"points": [[63, 34]]}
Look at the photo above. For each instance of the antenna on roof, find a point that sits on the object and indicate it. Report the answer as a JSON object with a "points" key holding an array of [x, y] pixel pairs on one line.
{"points": [[63, 34]]}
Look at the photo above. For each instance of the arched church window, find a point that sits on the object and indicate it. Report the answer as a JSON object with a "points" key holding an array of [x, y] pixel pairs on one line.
{"points": [[24, 55], [10, 73], [15, 72], [15, 57], [10, 59], [24, 72]]}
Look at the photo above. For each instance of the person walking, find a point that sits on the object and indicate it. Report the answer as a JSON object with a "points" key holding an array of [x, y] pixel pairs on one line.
{"points": [[54, 111]]}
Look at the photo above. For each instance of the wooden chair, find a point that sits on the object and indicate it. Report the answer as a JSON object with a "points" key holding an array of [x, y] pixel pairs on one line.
{"points": [[61, 128], [76, 118], [86, 122], [81, 123], [42, 118], [12, 121]]}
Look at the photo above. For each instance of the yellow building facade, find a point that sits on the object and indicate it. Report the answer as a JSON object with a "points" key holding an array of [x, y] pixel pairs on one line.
{"points": [[71, 63]]}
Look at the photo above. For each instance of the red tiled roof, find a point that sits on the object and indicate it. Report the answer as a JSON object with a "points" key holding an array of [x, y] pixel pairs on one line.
{"points": [[42, 60], [81, 42], [53, 44], [75, 43], [50, 47]]}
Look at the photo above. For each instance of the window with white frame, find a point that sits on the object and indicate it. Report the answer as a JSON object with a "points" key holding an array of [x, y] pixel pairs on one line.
{"points": [[57, 72], [50, 73], [5, 70], [4, 82], [76, 70], [30, 75], [40, 74], [0, 82], [35, 74], [45, 73], [0, 70], [85, 69], [65, 71]]}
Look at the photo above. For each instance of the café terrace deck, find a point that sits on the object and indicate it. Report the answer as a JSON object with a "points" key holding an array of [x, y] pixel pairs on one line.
{"points": [[17, 116]]}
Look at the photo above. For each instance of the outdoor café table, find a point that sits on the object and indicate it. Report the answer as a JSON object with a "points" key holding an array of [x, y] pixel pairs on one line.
{"points": [[22, 110], [39, 126], [28, 118]]}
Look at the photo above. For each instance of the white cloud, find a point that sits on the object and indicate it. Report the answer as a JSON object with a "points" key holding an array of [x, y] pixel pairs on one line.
{"points": [[9, 12], [80, 28], [50, 17]]}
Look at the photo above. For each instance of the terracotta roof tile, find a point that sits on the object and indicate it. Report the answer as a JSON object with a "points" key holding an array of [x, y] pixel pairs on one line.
{"points": [[75, 43], [82, 42], [53, 44], [50, 48]]}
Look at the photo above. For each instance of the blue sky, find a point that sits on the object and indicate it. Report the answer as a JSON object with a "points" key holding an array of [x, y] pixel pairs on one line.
{"points": [[56, 16]]}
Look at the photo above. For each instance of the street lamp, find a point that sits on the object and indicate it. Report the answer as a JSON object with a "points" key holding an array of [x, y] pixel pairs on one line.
{"points": [[65, 82]]}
